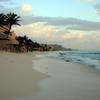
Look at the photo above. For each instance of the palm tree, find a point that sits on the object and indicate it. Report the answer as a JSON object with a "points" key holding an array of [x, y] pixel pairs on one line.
{"points": [[3, 20], [12, 19]]}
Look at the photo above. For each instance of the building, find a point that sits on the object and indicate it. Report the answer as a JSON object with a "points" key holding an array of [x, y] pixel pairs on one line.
{"points": [[7, 39]]}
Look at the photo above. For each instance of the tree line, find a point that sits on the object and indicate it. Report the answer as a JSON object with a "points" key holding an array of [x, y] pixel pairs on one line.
{"points": [[25, 44]]}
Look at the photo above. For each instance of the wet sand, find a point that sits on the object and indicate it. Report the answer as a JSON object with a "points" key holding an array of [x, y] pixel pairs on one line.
{"points": [[66, 81], [17, 78]]}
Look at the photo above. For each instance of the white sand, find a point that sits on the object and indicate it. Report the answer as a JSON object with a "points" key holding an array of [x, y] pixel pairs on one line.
{"points": [[17, 79]]}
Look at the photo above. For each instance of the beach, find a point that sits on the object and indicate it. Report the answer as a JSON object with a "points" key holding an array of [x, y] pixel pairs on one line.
{"points": [[39, 76], [17, 79], [49, 50]]}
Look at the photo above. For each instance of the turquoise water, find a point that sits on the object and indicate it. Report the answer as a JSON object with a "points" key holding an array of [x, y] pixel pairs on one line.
{"points": [[85, 54], [85, 57]]}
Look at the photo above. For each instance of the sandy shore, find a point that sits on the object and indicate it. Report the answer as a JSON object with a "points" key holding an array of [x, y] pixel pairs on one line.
{"points": [[66, 81], [17, 78]]}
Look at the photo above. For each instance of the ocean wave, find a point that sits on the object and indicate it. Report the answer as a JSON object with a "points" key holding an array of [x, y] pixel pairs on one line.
{"points": [[89, 58]]}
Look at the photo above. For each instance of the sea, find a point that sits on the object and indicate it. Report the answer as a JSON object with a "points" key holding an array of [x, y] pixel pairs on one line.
{"points": [[90, 58]]}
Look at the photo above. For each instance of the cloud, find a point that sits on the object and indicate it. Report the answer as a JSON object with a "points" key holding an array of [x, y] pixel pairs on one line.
{"points": [[48, 34], [85, 0], [39, 29], [90, 0], [70, 23], [26, 7], [97, 7], [5, 0], [98, 12], [4, 9], [23, 10], [79, 0], [87, 42], [1, 7], [73, 35]]}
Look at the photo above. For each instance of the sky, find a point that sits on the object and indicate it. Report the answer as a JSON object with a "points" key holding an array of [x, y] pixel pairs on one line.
{"points": [[71, 23]]}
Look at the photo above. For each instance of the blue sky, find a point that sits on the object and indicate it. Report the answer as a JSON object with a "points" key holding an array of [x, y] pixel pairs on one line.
{"points": [[64, 8], [71, 23]]}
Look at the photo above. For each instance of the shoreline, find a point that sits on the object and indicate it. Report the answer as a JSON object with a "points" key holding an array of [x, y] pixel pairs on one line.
{"points": [[66, 81]]}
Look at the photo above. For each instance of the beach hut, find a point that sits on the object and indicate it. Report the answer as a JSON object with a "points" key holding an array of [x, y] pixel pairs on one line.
{"points": [[8, 39]]}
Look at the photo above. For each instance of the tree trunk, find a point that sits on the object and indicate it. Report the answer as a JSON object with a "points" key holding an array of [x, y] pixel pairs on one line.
{"points": [[10, 27]]}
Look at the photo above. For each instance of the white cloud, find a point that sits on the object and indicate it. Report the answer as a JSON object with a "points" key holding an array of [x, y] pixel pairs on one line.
{"points": [[24, 10], [26, 7], [36, 30], [49, 34], [69, 23], [97, 8], [79, 0], [5, 0], [85, 0], [98, 12], [73, 35], [90, 0]]}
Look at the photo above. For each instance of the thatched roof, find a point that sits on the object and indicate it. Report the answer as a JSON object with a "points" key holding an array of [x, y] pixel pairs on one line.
{"points": [[13, 34], [4, 28], [13, 40], [3, 36], [9, 42], [7, 39]]}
